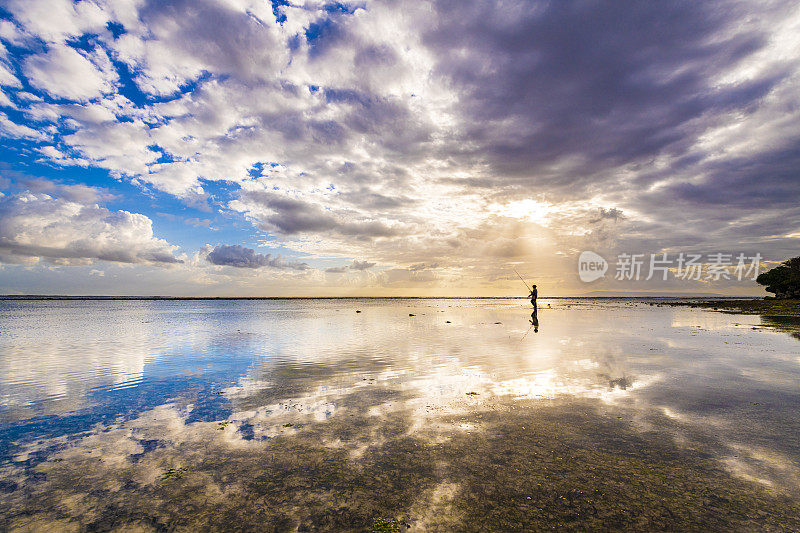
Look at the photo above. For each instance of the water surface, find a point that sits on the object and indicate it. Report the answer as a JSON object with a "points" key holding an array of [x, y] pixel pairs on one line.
{"points": [[393, 414]]}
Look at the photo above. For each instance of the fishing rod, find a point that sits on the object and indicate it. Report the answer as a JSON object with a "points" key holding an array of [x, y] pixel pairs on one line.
{"points": [[520, 277]]}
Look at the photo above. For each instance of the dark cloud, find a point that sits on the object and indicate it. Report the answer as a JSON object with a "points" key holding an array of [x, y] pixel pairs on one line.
{"points": [[361, 265], [239, 256], [768, 180], [377, 202], [608, 214], [592, 84], [390, 122], [292, 216]]}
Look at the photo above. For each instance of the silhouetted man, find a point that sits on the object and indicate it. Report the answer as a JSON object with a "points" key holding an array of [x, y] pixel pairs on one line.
{"points": [[533, 295]]}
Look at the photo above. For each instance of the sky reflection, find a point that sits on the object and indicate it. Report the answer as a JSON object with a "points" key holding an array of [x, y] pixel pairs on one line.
{"points": [[150, 385]]}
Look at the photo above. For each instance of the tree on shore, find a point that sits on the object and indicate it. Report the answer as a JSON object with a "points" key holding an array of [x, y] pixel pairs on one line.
{"points": [[783, 280]]}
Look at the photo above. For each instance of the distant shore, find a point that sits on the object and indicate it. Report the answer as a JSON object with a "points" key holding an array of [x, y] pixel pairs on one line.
{"points": [[753, 306]]}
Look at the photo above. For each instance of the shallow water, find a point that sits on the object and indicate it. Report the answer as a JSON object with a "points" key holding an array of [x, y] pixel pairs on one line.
{"points": [[308, 415]]}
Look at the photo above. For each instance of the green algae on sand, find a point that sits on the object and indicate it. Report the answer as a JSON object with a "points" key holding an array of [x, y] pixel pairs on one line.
{"points": [[519, 466], [754, 306]]}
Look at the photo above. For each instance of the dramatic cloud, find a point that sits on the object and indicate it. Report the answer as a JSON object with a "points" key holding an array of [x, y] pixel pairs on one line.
{"points": [[241, 257], [589, 84], [37, 225], [465, 134]]}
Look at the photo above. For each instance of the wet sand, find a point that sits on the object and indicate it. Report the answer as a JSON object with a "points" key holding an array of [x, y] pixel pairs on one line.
{"points": [[507, 467], [445, 421], [755, 306]]}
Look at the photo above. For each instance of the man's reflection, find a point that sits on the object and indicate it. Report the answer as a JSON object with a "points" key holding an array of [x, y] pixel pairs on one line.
{"points": [[534, 321]]}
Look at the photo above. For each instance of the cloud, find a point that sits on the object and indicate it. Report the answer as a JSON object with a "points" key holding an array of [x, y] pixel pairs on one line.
{"points": [[406, 276], [189, 37], [63, 72], [361, 265], [13, 130], [239, 256], [78, 193], [638, 81], [422, 266], [284, 214], [198, 223], [8, 79], [608, 214], [357, 265], [37, 225], [58, 20], [251, 94], [395, 130]]}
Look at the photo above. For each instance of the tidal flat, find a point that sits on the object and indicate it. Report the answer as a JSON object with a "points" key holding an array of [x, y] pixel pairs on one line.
{"points": [[428, 415], [752, 306]]}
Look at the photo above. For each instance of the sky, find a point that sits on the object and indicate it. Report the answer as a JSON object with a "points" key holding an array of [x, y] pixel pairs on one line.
{"points": [[395, 148]]}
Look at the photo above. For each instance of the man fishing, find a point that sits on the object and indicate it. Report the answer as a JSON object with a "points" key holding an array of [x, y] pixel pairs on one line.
{"points": [[534, 321], [533, 290]]}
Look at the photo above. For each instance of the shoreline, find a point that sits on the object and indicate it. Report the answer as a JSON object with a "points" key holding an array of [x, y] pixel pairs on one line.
{"points": [[744, 306]]}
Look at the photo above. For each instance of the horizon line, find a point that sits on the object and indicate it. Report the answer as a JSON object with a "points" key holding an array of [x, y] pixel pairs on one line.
{"points": [[157, 297]]}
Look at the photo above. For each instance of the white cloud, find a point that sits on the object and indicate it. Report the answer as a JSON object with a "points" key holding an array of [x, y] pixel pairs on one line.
{"points": [[56, 20], [176, 42], [5, 100], [19, 131], [62, 72], [13, 34], [72, 232], [7, 78]]}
